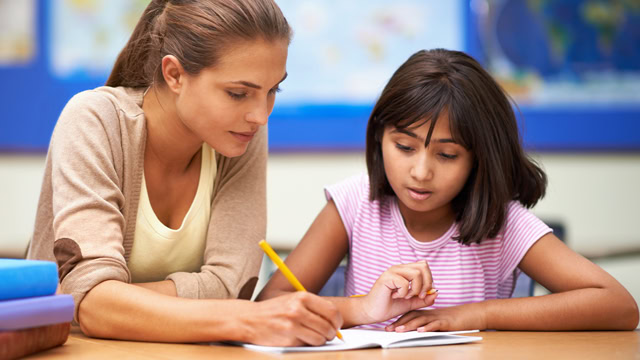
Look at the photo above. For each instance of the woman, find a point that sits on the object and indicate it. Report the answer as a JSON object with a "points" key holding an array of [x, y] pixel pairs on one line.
{"points": [[153, 199]]}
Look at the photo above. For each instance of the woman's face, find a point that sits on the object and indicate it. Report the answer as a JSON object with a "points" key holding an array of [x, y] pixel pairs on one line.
{"points": [[225, 105]]}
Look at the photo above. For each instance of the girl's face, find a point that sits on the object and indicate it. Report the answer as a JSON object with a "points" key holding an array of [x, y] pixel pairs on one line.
{"points": [[226, 104], [425, 179]]}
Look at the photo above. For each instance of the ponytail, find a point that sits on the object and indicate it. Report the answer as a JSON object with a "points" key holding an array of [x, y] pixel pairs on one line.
{"points": [[131, 68], [195, 32]]}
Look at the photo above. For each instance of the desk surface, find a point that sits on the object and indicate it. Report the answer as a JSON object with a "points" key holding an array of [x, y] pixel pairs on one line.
{"points": [[495, 345]]}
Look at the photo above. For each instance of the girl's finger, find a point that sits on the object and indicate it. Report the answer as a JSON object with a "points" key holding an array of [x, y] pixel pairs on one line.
{"points": [[413, 324], [413, 275], [432, 326], [427, 279], [404, 319], [399, 285]]}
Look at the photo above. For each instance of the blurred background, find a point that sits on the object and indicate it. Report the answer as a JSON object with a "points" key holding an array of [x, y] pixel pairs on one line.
{"points": [[572, 66]]}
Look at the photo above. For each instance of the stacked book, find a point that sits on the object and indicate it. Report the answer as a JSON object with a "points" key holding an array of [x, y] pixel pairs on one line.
{"points": [[32, 317]]}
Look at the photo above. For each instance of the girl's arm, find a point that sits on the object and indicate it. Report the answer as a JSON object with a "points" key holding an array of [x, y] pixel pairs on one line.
{"points": [[400, 289], [584, 297], [117, 310]]}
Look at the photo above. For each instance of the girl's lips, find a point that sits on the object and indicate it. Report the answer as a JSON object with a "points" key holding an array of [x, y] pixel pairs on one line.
{"points": [[419, 194], [245, 137]]}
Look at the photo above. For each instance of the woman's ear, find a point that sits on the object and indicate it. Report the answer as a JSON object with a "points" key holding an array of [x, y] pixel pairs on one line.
{"points": [[173, 73]]}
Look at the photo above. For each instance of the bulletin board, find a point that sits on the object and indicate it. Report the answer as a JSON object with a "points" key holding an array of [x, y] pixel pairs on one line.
{"points": [[573, 67]]}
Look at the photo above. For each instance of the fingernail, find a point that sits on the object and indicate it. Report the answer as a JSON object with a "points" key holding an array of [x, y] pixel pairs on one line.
{"points": [[400, 328], [420, 329], [423, 295]]}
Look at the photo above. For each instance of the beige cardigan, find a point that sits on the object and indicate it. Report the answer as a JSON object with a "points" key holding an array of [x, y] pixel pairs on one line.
{"points": [[89, 200]]}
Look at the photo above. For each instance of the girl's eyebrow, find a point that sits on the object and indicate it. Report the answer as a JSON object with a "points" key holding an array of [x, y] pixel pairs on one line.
{"points": [[415, 136]]}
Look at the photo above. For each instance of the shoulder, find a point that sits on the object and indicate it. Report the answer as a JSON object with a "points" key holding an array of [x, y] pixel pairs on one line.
{"points": [[107, 101], [521, 225], [114, 111], [355, 187]]}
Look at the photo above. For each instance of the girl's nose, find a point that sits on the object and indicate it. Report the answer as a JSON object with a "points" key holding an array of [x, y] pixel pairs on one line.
{"points": [[421, 169]]}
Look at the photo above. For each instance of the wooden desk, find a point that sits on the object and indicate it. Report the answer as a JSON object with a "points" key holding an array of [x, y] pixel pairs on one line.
{"points": [[495, 345]]}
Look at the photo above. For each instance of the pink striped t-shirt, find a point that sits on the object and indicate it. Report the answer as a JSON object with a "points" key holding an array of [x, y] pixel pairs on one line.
{"points": [[463, 274]]}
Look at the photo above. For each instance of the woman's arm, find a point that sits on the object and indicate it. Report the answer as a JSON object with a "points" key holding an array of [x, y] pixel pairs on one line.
{"points": [[117, 310], [584, 297], [165, 287]]}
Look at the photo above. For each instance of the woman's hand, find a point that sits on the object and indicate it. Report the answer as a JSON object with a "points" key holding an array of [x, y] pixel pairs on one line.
{"points": [[400, 289], [295, 319], [463, 317]]}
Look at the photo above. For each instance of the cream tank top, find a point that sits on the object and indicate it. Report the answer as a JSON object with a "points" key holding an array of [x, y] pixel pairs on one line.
{"points": [[158, 250]]}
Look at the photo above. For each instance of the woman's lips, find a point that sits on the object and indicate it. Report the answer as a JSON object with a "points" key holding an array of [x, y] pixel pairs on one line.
{"points": [[243, 136], [418, 194]]}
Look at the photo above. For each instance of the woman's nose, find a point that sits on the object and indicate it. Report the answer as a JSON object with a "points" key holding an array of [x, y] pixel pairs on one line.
{"points": [[259, 115]]}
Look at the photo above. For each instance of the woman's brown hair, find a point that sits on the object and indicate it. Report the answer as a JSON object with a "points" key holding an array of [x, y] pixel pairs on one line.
{"points": [[443, 82], [196, 32]]}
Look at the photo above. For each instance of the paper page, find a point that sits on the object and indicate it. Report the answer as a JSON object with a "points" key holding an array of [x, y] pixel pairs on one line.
{"points": [[361, 339]]}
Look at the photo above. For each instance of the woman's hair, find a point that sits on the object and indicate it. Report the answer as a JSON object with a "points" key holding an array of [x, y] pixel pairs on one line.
{"points": [[196, 32], [450, 83]]}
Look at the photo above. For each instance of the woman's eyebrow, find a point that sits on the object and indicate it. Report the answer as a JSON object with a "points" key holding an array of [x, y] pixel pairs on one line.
{"points": [[255, 86]]}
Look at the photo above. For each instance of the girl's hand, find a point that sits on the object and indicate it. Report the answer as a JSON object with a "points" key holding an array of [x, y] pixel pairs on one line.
{"points": [[400, 289], [295, 319], [463, 317]]}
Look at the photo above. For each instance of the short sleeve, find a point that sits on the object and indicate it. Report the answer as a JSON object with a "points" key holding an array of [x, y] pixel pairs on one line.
{"points": [[348, 196], [522, 229]]}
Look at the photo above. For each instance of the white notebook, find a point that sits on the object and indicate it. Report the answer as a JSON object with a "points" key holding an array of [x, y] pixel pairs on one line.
{"points": [[361, 339]]}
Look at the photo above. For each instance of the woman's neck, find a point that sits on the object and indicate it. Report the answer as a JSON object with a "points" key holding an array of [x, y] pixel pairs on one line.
{"points": [[170, 144]]}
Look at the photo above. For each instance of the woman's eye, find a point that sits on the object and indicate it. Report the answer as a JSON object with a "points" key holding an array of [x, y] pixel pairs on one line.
{"points": [[403, 147], [448, 156], [237, 95], [276, 89]]}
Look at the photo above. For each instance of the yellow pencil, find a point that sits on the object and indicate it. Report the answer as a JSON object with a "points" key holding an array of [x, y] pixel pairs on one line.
{"points": [[286, 272]]}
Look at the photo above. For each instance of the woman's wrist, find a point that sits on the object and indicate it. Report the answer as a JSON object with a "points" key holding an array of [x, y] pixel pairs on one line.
{"points": [[227, 320]]}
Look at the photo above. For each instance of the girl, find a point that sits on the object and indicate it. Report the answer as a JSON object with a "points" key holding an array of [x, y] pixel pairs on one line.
{"points": [[154, 188], [444, 206]]}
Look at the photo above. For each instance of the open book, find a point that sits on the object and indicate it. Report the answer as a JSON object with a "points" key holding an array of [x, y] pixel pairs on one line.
{"points": [[361, 339]]}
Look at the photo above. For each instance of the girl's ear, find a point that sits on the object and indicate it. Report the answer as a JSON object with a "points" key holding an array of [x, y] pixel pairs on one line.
{"points": [[173, 73]]}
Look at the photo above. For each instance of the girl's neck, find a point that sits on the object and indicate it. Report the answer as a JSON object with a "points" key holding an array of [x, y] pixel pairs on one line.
{"points": [[427, 226], [170, 144]]}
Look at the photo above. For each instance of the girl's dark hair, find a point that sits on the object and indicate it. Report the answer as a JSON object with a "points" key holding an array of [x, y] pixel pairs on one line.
{"points": [[196, 32], [481, 119]]}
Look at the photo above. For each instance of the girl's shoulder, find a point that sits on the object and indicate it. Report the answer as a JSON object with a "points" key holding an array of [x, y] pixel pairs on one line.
{"points": [[522, 225], [355, 187]]}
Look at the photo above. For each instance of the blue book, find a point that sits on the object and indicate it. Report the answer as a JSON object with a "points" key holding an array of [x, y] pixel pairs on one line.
{"points": [[36, 311], [21, 278]]}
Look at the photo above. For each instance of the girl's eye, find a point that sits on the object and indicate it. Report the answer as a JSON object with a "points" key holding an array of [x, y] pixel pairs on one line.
{"points": [[403, 147], [237, 96], [276, 89], [448, 156]]}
